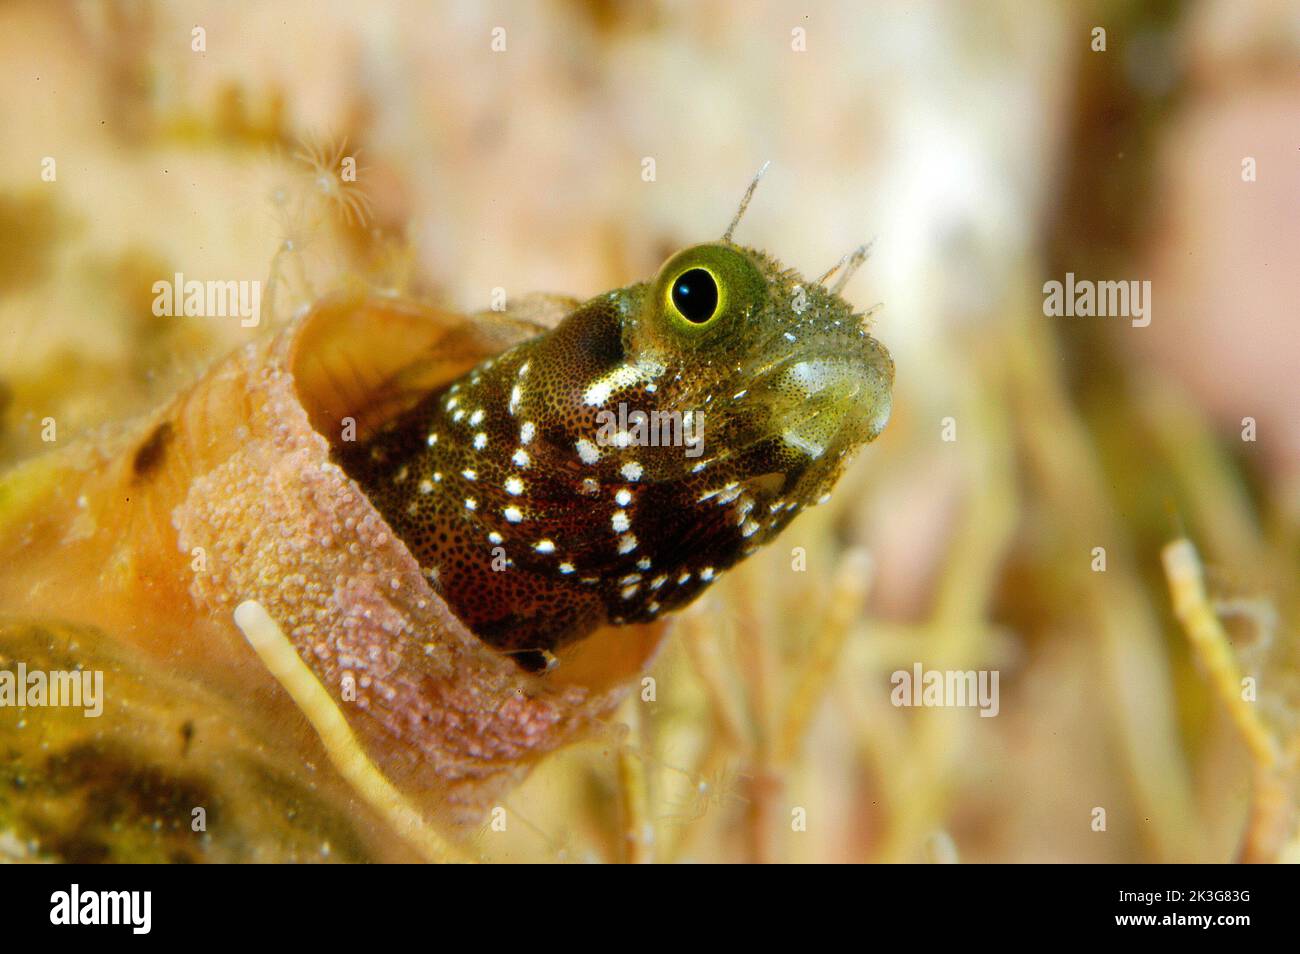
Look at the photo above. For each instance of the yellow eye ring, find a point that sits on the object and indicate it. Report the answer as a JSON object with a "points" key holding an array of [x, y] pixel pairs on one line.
{"points": [[695, 296]]}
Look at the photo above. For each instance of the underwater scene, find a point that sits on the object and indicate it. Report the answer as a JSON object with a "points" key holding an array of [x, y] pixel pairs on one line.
{"points": [[617, 432]]}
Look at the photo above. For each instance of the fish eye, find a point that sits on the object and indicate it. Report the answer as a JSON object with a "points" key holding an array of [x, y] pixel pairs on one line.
{"points": [[695, 295]]}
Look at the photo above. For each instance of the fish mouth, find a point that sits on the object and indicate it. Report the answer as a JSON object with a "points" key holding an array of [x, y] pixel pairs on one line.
{"points": [[826, 401]]}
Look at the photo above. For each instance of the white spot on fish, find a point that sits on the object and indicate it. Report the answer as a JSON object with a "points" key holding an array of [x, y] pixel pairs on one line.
{"points": [[801, 443], [632, 470], [623, 376], [729, 493]]}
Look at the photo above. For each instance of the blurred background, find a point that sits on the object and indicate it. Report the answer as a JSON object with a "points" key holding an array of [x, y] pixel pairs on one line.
{"points": [[987, 148]]}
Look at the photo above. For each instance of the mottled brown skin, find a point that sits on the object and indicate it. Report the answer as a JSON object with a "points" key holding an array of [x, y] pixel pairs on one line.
{"points": [[537, 528]]}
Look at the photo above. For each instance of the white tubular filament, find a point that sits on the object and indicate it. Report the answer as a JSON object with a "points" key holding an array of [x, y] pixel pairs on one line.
{"points": [[281, 659]]}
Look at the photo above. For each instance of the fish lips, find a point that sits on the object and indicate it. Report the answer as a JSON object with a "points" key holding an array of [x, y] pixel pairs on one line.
{"points": [[827, 400]]}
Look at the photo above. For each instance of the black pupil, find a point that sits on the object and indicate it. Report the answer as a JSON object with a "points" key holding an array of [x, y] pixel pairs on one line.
{"points": [[695, 294]]}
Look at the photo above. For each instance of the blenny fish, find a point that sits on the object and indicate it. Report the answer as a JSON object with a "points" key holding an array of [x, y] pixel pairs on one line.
{"points": [[613, 467]]}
